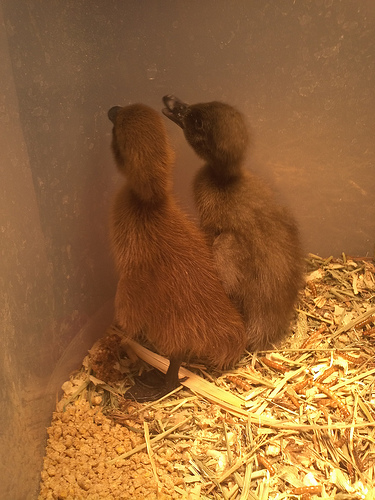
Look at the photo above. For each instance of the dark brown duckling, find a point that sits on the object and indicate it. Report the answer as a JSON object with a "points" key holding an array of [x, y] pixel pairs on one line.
{"points": [[168, 287], [255, 241]]}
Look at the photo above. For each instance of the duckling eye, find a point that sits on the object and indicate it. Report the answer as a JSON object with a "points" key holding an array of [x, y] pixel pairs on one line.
{"points": [[198, 122]]}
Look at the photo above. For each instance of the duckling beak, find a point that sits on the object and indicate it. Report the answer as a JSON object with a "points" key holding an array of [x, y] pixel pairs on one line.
{"points": [[175, 109], [112, 113]]}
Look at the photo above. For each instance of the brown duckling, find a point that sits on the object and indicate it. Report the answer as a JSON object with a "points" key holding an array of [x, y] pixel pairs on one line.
{"points": [[168, 286], [255, 241]]}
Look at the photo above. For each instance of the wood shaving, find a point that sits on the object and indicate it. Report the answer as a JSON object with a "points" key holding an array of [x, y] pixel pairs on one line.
{"points": [[296, 422]]}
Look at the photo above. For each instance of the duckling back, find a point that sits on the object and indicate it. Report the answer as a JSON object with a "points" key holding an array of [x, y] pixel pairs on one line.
{"points": [[255, 241], [257, 253], [168, 287]]}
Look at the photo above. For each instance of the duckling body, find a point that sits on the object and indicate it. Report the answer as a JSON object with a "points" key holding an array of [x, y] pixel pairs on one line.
{"points": [[168, 286], [255, 241]]}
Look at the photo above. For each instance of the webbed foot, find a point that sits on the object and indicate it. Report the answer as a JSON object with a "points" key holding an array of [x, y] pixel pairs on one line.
{"points": [[142, 394], [153, 385]]}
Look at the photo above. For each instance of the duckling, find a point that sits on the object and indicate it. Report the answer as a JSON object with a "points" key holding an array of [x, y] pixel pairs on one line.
{"points": [[168, 287], [255, 241]]}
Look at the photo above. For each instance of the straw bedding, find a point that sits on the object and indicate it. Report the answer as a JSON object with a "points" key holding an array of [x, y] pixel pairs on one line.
{"points": [[295, 422]]}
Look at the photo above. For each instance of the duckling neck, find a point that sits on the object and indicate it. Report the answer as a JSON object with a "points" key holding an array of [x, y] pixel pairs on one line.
{"points": [[148, 204], [151, 190], [224, 173]]}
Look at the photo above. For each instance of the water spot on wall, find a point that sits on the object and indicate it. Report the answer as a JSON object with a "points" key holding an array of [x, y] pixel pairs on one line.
{"points": [[327, 52], [305, 19], [305, 54], [151, 72], [10, 28], [328, 104], [69, 251], [340, 18], [348, 26], [306, 91], [358, 188], [37, 111]]}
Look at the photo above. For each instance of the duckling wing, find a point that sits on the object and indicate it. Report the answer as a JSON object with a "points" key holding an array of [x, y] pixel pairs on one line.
{"points": [[227, 254]]}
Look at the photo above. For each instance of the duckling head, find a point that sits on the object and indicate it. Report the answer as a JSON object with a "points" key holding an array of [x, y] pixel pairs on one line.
{"points": [[215, 130], [141, 148]]}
